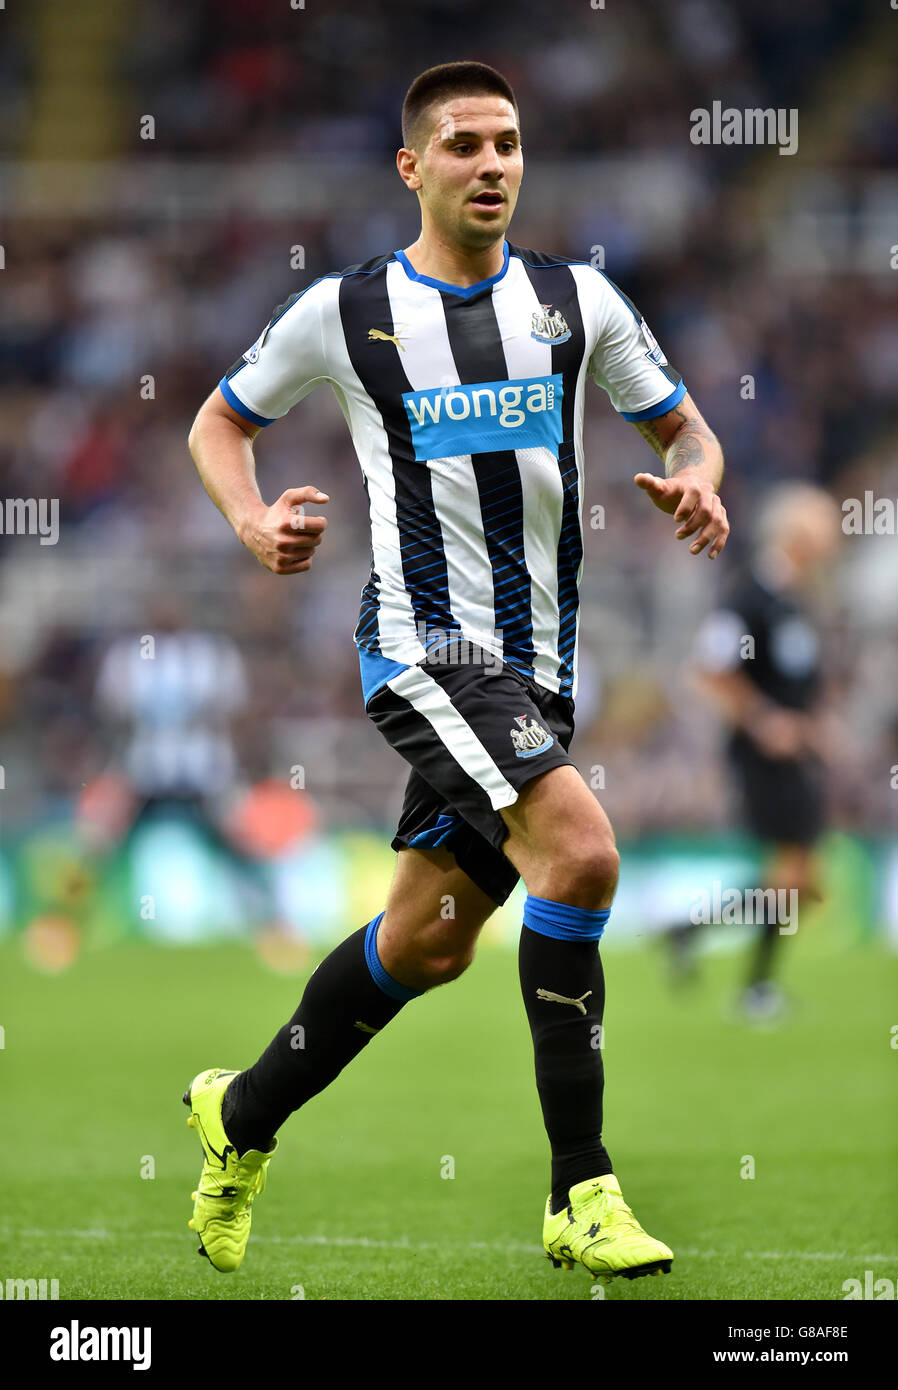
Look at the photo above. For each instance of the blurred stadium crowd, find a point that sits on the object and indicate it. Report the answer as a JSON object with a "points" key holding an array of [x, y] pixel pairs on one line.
{"points": [[97, 303]]}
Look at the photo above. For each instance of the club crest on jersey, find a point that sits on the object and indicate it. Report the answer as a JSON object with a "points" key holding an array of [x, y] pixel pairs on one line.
{"points": [[654, 353], [550, 326], [529, 739]]}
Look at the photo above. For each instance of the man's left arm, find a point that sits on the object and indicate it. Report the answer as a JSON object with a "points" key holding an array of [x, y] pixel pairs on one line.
{"points": [[693, 467]]}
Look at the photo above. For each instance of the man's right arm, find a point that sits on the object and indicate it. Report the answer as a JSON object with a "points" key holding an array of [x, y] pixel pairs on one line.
{"points": [[282, 537]]}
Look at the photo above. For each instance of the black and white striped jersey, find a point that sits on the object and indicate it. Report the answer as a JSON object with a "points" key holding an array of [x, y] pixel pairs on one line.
{"points": [[466, 411]]}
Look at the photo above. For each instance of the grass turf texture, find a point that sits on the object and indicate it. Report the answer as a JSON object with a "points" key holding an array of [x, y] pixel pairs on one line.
{"points": [[95, 1061]]}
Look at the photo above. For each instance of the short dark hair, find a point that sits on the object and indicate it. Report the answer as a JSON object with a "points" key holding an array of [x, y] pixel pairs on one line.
{"points": [[463, 79]]}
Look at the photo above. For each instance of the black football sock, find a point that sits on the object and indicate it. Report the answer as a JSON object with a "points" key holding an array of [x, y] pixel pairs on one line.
{"points": [[765, 948], [563, 985], [348, 999]]}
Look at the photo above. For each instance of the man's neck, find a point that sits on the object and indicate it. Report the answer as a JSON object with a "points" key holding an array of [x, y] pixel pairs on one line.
{"points": [[455, 265]]}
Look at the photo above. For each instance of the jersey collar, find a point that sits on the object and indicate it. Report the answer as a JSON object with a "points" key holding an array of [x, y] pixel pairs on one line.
{"points": [[463, 291]]}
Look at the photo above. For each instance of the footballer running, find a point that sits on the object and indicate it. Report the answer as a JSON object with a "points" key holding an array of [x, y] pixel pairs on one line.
{"points": [[460, 364]]}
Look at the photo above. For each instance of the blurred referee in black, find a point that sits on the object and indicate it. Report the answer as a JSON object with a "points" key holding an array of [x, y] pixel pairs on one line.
{"points": [[758, 660]]}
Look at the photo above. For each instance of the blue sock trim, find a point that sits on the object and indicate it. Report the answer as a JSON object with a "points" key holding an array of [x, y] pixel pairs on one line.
{"points": [[380, 977], [563, 921]]}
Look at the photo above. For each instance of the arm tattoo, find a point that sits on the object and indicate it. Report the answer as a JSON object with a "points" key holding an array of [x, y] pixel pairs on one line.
{"points": [[649, 431], [686, 449]]}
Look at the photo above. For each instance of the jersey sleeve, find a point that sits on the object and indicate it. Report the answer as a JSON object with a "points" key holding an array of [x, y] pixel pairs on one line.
{"points": [[627, 362], [286, 361]]}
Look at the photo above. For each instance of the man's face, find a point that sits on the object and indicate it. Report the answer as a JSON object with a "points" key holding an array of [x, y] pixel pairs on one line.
{"points": [[469, 171]]}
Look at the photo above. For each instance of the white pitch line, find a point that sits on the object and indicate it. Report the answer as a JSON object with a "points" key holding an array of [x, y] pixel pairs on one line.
{"points": [[415, 1247]]}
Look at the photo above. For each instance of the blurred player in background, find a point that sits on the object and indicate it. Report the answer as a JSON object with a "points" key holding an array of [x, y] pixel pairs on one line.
{"points": [[759, 663], [175, 694], [460, 365]]}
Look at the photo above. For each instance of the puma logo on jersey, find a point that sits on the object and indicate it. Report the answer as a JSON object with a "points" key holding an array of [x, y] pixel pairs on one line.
{"points": [[377, 335], [561, 999]]}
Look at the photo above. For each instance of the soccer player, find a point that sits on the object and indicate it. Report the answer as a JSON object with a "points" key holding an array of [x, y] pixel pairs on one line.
{"points": [[759, 664], [460, 364]]}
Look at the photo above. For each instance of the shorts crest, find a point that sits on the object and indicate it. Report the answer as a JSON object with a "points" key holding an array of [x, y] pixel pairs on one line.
{"points": [[529, 739]]}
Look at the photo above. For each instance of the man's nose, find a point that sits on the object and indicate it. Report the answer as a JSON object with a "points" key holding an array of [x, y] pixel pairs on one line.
{"points": [[490, 163]]}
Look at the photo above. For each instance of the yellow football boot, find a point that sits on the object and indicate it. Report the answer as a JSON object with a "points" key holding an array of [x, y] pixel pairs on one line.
{"points": [[222, 1210], [599, 1231]]}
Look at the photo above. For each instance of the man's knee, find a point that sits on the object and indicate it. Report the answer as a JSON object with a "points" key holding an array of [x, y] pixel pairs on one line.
{"points": [[561, 841], [441, 967], [585, 876]]}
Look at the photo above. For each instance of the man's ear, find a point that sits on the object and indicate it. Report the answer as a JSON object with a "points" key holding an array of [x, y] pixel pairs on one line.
{"points": [[406, 160]]}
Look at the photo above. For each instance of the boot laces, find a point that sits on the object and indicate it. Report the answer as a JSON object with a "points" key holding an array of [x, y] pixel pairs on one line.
{"points": [[613, 1210], [242, 1188]]}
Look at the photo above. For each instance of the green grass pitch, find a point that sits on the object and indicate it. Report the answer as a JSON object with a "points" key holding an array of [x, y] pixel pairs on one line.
{"points": [[95, 1061]]}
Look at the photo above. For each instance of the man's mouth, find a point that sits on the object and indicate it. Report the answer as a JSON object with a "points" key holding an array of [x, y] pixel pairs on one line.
{"points": [[488, 199]]}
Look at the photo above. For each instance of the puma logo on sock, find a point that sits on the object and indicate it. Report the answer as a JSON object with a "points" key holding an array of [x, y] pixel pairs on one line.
{"points": [[560, 999], [364, 1027]]}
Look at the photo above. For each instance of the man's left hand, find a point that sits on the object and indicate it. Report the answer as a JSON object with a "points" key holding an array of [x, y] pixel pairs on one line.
{"points": [[690, 498]]}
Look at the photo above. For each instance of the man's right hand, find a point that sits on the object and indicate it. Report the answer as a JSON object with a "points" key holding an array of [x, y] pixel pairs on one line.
{"points": [[283, 537], [782, 734]]}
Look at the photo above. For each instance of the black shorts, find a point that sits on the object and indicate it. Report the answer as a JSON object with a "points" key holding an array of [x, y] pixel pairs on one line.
{"points": [[783, 798], [474, 736]]}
